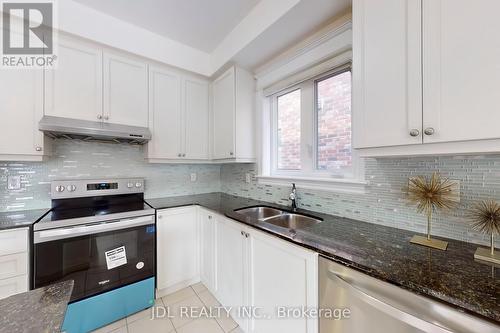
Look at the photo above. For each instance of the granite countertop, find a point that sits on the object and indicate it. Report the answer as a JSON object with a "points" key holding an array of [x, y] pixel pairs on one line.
{"points": [[20, 219], [40, 310], [450, 276]]}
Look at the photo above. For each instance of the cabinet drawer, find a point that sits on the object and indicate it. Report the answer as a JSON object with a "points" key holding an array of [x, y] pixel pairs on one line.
{"points": [[13, 241], [12, 286], [13, 265]]}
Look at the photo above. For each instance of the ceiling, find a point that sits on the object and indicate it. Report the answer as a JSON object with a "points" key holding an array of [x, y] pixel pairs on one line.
{"points": [[201, 24]]}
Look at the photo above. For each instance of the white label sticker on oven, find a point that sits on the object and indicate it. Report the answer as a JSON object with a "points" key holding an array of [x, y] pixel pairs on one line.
{"points": [[116, 257]]}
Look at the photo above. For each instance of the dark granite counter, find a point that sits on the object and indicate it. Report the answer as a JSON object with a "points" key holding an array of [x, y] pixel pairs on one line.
{"points": [[20, 219], [40, 310], [450, 276]]}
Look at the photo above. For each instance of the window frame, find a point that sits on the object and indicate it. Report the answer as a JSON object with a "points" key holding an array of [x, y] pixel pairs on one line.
{"points": [[309, 135]]}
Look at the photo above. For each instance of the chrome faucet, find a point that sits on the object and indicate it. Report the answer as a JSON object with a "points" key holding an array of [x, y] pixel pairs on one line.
{"points": [[293, 197]]}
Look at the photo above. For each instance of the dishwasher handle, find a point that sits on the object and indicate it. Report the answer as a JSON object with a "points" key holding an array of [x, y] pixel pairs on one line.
{"points": [[386, 308]]}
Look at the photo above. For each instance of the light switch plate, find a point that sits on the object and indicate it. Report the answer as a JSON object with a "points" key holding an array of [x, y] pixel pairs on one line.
{"points": [[193, 177], [14, 182]]}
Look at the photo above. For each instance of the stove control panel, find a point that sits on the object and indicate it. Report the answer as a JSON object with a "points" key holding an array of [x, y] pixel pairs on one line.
{"points": [[88, 188]]}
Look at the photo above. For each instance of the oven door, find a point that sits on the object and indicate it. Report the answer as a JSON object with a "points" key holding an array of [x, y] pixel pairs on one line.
{"points": [[98, 257]]}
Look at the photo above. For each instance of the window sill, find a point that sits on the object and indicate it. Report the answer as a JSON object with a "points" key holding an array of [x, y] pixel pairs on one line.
{"points": [[321, 184]]}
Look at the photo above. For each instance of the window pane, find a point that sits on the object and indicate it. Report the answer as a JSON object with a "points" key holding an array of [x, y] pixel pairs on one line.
{"points": [[334, 123], [289, 131]]}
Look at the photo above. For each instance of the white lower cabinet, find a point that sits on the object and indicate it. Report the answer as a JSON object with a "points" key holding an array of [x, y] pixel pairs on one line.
{"points": [[267, 276], [13, 262], [250, 271], [282, 278], [231, 266], [177, 248], [207, 249]]}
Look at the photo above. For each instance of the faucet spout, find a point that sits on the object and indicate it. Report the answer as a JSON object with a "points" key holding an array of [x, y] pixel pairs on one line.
{"points": [[293, 197]]}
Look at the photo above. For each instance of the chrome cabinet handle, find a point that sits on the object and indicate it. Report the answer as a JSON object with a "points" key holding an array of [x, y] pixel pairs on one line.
{"points": [[429, 131], [179, 155], [99, 116], [183, 155], [209, 217], [231, 153], [242, 233], [414, 132], [38, 148], [106, 117]]}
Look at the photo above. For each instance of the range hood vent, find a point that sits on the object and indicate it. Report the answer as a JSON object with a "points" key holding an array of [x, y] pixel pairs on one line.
{"points": [[59, 127]]}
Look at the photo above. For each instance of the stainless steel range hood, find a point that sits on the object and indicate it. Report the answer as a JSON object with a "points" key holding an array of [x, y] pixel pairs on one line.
{"points": [[58, 127]]}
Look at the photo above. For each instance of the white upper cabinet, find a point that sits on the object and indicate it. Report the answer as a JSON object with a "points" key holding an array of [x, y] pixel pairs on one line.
{"points": [[125, 90], [178, 117], [426, 81], [233, 95], [21, 101], [74, 88], [387, 79], [461, 61], [196, 119], [164, 114]]}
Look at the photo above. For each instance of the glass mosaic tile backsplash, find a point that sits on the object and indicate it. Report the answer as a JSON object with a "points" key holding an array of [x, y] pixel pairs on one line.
{"points": [[384, 202], [83, 160]]}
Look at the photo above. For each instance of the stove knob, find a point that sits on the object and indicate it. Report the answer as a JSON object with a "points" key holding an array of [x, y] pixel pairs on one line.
{"points": [[71, 188], [138, 185], [59, 188], [130, 185]]}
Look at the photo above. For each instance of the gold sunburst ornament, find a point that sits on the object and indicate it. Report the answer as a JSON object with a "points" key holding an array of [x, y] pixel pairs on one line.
{"points": [[432, 194], [485, 217]]}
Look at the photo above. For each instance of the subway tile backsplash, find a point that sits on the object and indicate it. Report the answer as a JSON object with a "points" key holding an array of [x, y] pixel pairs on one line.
{"points": [[384, 202], [84, 160]]}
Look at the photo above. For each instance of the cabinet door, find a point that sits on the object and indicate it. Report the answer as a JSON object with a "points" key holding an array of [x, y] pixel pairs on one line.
{"points": [[177, 247], [74, 88], [223, 115], [21, 101], [196, 140], [207, 249], [165, 114], [12, 286], [283, 275], [125, 91], [231, 265], [461, 69], [387, 79]]}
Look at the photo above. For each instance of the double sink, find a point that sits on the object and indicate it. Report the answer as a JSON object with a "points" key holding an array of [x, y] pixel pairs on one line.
{"points": [[279, 217]]}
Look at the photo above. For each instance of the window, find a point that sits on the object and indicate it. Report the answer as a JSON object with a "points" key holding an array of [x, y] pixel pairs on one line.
{"points": [[311, 133]]}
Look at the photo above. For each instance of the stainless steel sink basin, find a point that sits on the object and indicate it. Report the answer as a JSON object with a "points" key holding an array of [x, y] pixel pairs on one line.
{"points": [[260, 213], [279, 217], [293, 221]]}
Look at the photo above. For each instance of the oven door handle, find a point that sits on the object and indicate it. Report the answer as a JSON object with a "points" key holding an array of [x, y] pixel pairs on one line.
{"points": [[82, 230]]}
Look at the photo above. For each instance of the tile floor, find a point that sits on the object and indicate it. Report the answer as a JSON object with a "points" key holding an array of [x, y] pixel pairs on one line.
{"points": [[196, 296]]}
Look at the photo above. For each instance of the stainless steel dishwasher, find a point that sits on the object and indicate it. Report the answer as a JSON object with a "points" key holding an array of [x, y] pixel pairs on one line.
{"points": [[379, 307]]}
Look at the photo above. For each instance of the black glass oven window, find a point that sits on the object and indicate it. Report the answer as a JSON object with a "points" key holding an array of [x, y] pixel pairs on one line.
{"points": [[83, 260]]}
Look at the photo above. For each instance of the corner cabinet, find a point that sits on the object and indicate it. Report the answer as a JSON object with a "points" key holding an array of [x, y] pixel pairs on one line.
{"points": [[418, 87], [178, 117], [233, 95]]}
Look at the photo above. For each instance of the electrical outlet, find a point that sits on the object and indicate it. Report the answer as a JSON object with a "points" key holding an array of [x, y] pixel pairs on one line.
{"points": [[193, 177], [14, 182], [248, 178]]}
